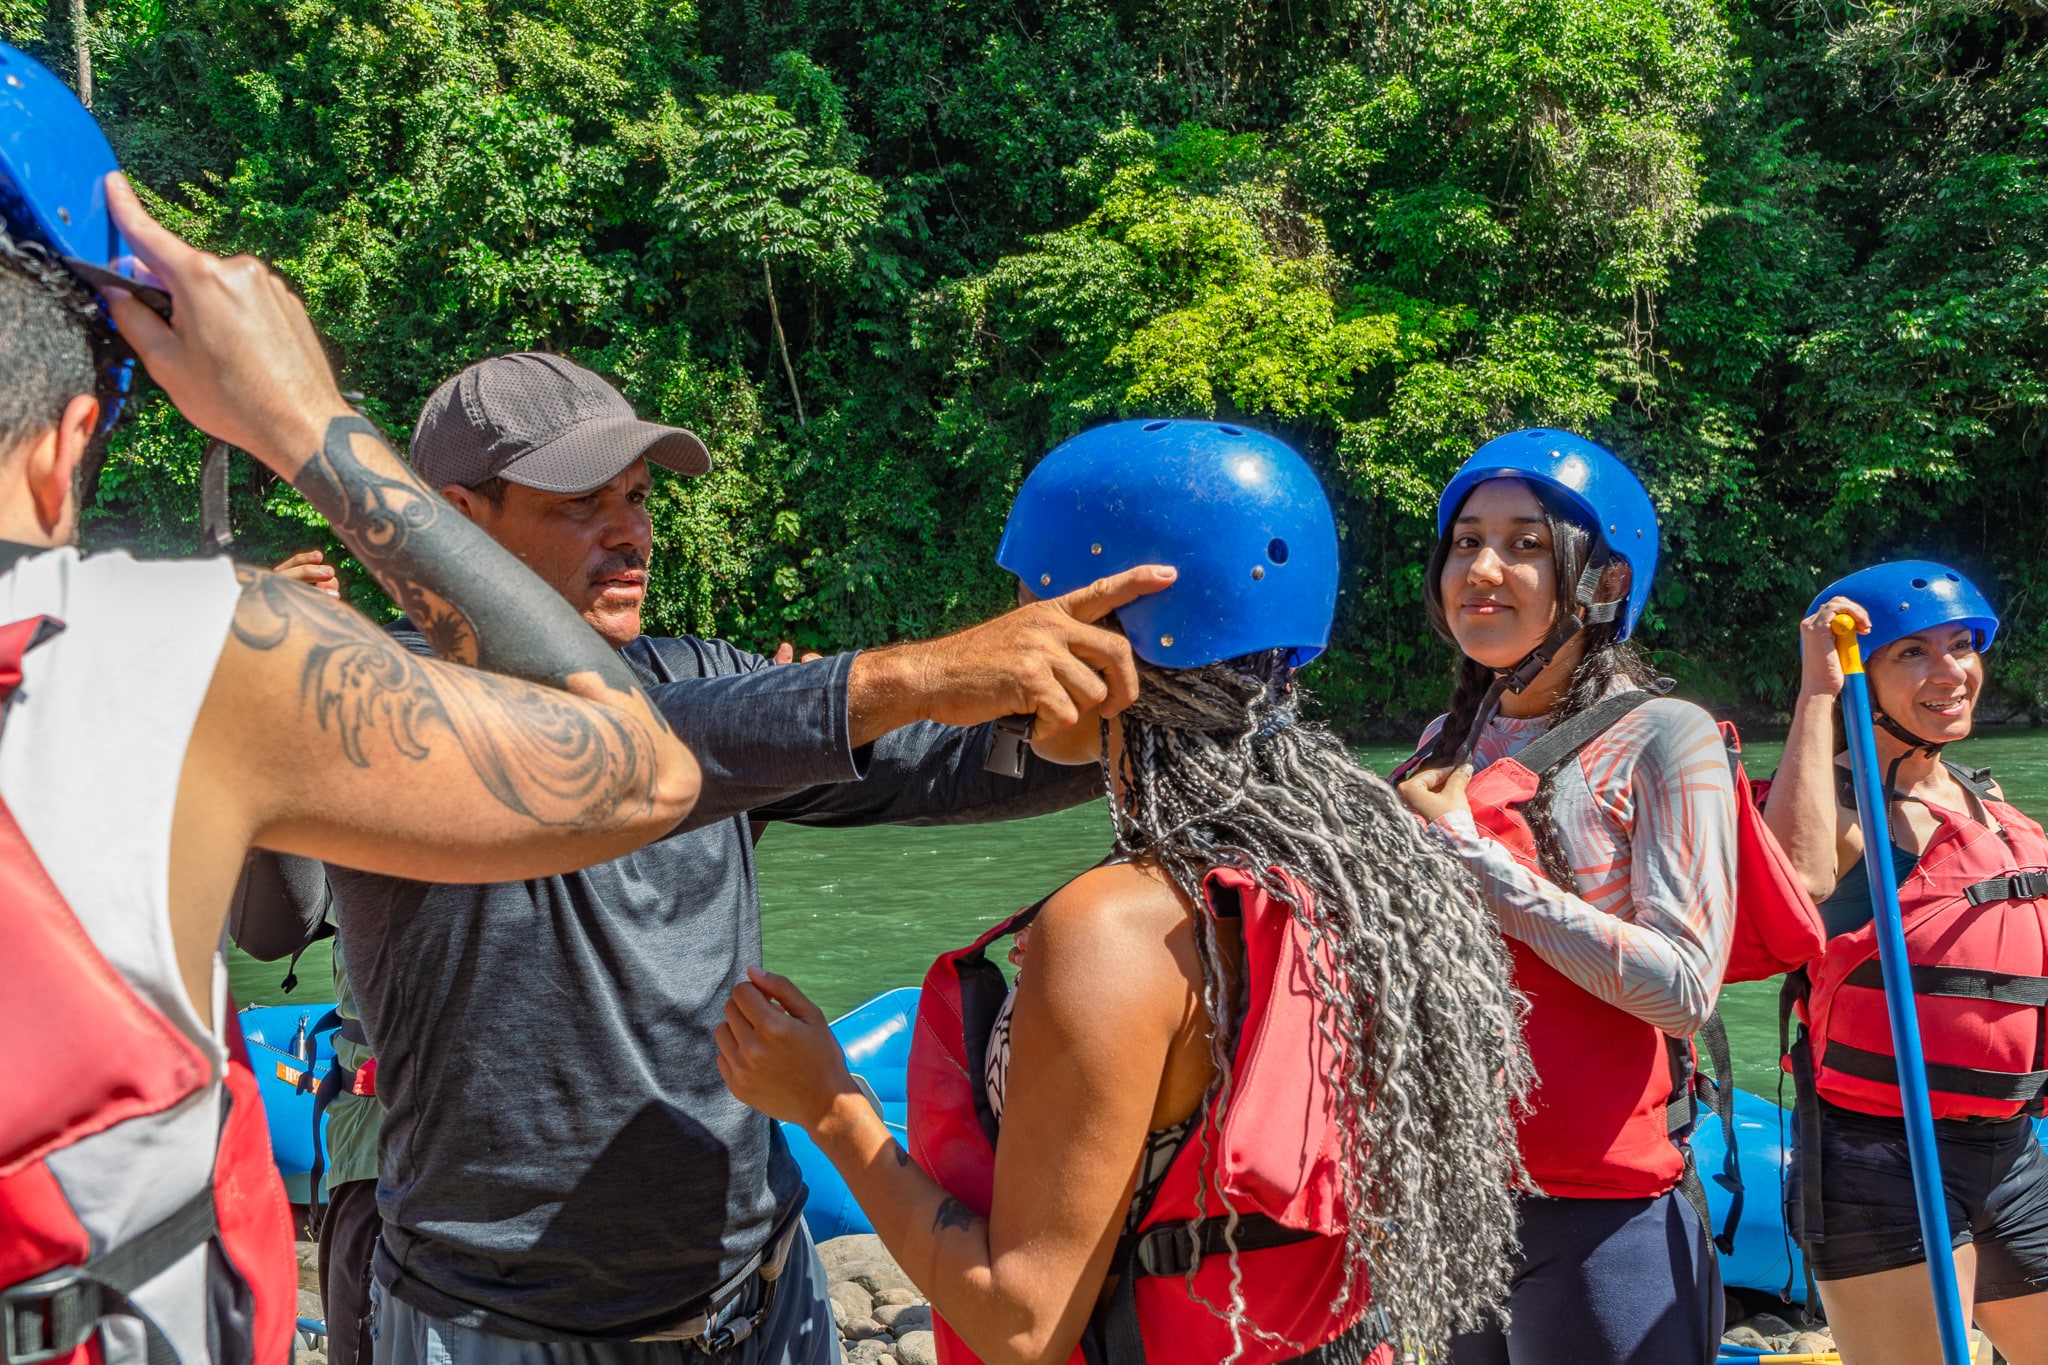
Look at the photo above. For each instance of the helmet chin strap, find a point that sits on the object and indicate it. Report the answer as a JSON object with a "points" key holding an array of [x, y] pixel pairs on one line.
{"points": [[1586, 612], [1931, 747]]}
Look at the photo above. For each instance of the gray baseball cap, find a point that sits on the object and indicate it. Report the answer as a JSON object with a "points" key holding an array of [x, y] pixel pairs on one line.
{"points": [[543, 422]]}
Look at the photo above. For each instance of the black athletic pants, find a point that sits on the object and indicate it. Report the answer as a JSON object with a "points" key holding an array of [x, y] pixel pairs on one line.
{"points": [[348, 1245]]}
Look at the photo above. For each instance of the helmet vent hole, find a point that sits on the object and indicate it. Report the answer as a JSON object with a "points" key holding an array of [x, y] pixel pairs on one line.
{"points": [[1156, 426], [1953, 578], [1276, 550], [1231, 431], [1919, 582]]}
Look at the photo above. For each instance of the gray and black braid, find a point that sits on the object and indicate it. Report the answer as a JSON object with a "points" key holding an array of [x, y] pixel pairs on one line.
{"points": [[1220, 770]]}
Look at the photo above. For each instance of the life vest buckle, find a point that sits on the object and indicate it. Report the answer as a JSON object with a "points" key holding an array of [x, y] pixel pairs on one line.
{"points": [[1166, 1250], [2020, 886], [47, 1317]]}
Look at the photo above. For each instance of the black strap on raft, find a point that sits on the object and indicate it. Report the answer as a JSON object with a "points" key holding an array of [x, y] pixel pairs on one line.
{"points": [[1798, 1054], [1694, 1094]]}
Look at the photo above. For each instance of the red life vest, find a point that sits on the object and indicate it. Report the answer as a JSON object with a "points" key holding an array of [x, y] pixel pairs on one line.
{"points": [[1272, 1155], [82, 1053], [1615, 1096], [1975, 912]]}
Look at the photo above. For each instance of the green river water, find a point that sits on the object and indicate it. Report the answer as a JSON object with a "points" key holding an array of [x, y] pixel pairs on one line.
{"points": [[847, 914]]}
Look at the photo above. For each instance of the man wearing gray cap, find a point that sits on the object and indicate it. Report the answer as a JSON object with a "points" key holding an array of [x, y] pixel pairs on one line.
{"points": [[564, 1176]]}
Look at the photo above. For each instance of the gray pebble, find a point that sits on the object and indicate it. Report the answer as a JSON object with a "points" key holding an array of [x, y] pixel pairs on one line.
{"points": [[875, 1276], [310, 1305], [863, 1328], [918, 1348], [855, 1246], [905, 1317], [850, 1301], [1770, 1325], [1745, 1335], [895, 1296], [1811, 1343], [868, 1353]]}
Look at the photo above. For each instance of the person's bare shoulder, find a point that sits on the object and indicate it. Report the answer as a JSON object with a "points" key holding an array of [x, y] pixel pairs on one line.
{"points": [[1123, 927]]}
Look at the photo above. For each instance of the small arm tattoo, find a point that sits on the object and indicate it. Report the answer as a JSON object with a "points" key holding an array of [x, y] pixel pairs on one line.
{"points": [[954, 1214], [902, 1157], [539, 751], [474, 602]]}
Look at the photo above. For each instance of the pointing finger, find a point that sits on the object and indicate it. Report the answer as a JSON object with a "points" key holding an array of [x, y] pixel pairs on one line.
{"points": [[156, 246], [1105, 595]]}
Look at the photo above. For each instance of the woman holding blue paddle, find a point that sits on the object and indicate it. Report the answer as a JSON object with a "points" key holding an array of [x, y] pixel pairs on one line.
{"points": [[1972, 891]]}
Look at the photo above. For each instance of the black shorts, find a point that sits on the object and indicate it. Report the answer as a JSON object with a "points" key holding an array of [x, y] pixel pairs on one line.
{"points": [[1994, 1174]]}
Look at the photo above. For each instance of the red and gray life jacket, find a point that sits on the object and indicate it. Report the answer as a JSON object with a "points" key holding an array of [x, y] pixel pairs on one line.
{"points": [[83, 1054], [1616, 1098], [1271, 1155], [1975, 912]]}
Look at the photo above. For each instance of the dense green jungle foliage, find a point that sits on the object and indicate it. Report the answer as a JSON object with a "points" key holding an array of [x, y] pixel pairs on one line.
{"points": [[1789, 257]]}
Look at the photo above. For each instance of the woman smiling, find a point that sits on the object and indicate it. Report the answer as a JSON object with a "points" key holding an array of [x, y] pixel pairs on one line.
{"points": [[1971, 872], [1601, 826]]}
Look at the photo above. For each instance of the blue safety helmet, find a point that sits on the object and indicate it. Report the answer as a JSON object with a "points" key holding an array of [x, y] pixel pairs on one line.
{"points": [[1605, 496], [54, 162], [1236, 511], [1909, 596]]}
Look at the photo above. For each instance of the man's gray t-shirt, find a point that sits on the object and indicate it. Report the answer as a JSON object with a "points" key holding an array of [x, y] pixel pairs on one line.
{"points": [[560, 1158]]}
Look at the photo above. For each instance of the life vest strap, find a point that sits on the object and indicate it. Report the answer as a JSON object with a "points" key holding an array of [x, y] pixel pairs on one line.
{"points": [[1961, 983], [2009, 1086], [1168, 1249], [2020, 886], [52, 1315]]}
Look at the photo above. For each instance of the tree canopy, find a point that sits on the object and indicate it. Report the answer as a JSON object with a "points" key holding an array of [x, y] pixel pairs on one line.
{"points": [[1790, 260]]}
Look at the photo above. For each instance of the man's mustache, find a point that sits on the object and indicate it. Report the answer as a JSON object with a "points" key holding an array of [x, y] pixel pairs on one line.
{"points": [[618, 562]]}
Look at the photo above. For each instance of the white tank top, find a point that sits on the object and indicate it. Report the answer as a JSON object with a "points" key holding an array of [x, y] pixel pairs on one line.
{"points": [[90, 756]]}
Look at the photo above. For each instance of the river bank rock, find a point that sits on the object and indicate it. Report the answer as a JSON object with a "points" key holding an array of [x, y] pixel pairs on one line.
{"points": [[1769, 1332], [882, 1318]]}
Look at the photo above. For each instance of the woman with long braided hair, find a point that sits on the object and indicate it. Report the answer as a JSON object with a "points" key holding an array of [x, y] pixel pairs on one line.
{"points": [[1252, 1095], [1602, 828]]}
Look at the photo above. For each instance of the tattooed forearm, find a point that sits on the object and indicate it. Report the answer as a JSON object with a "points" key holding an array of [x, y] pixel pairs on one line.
{"points": [[540, 752], [473, 601], [954, 1214]]}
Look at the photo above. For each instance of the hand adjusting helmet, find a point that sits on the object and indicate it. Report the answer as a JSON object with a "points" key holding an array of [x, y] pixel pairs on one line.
{"points": [[1904, 598], [1236, 511], [54, 163]]}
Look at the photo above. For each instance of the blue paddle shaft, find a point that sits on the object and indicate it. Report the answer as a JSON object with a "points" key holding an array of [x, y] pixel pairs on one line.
{"points": [[1873, 814]]}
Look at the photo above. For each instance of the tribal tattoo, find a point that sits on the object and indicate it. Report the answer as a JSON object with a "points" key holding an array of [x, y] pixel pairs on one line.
{"points": [[539, 751], [474, 602]]}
